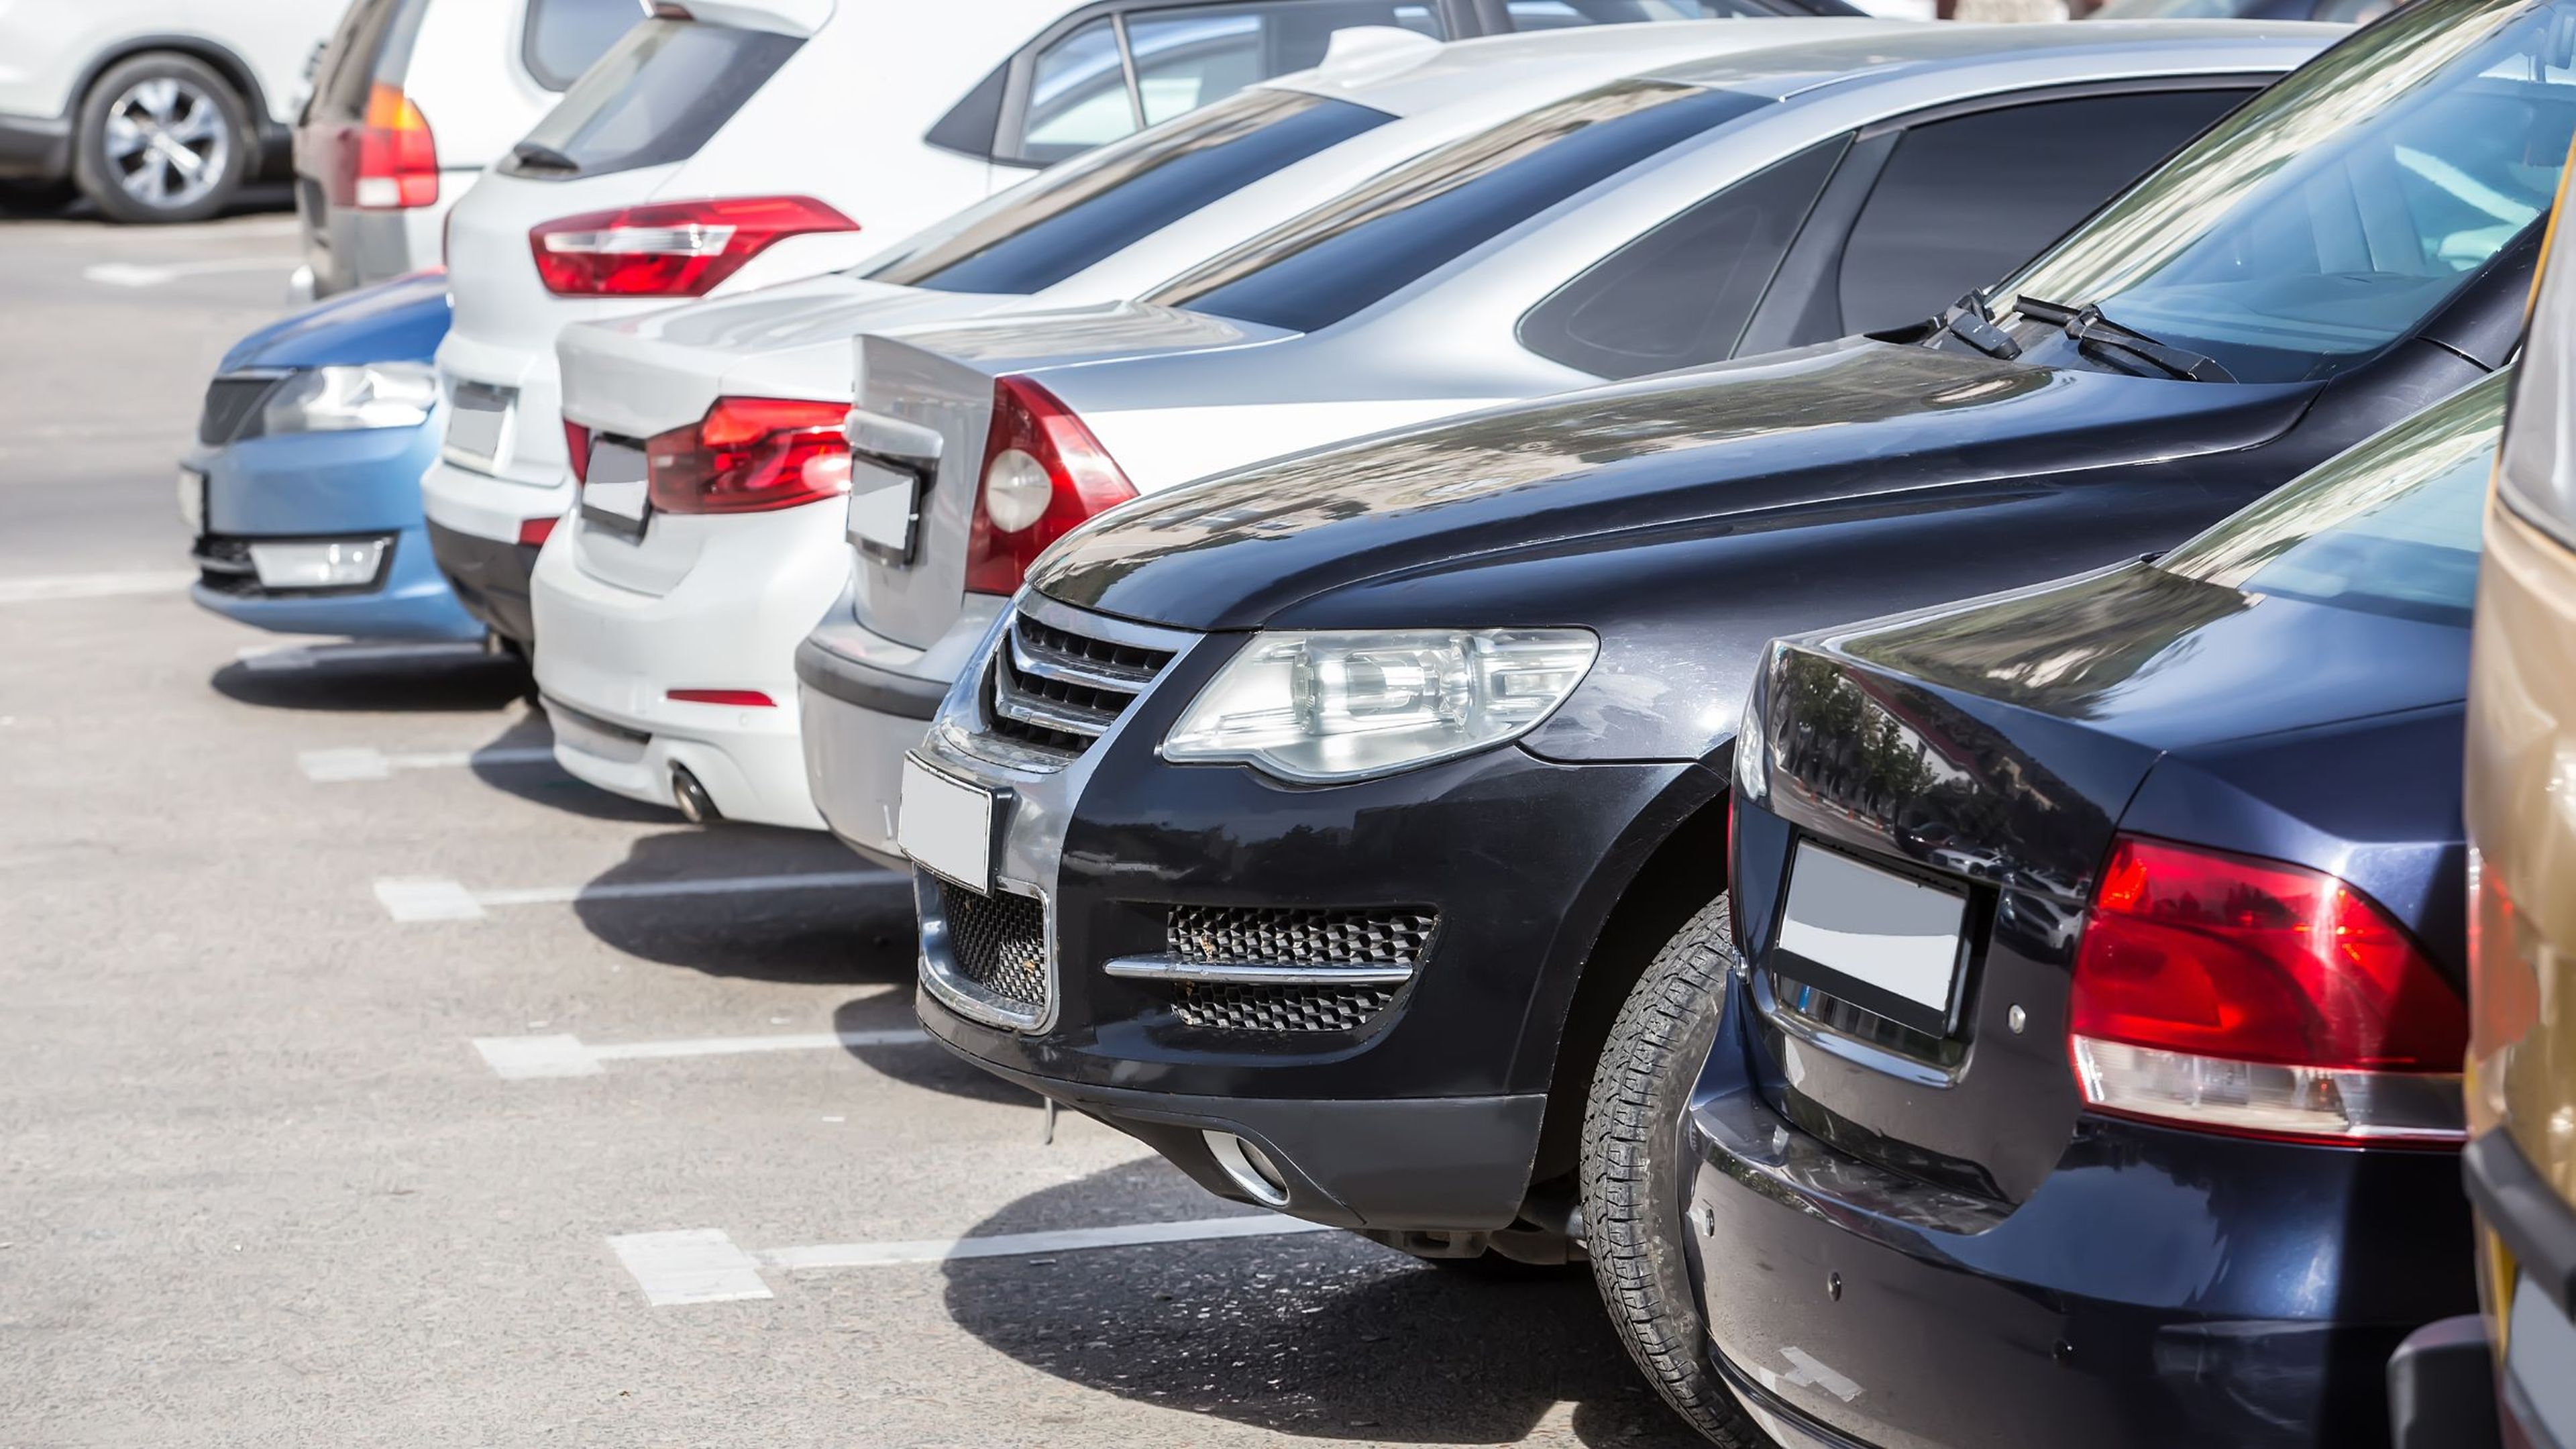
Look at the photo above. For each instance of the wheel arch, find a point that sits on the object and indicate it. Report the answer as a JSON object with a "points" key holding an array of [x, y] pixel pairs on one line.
{"points": [[226, 61]]}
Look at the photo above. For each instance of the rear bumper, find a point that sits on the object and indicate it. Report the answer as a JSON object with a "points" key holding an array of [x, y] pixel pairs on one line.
{"points": [[865, 700], [348, 248], [489, 578], [35, 148], [2160, 1288]]}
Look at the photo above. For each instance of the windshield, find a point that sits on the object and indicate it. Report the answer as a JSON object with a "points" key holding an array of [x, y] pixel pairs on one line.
{"points": [[1356, 251], [1062, 220], [2390, 526], [2334, 212]]}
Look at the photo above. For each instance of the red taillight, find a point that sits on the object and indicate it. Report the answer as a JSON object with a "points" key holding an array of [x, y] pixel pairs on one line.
{"points": [[577, 450], [749, 455], [669, 248], [534, 532], [740, 698], [2222, 991], [1044, 474], [387, 162]]}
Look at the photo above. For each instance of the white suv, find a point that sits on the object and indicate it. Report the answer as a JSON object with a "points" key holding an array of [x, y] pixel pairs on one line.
{"points": [[411, 100], [159, 110]]}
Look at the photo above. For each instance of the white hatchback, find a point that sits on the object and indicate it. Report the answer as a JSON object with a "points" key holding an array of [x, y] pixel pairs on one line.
{"points": [[710, 536]]}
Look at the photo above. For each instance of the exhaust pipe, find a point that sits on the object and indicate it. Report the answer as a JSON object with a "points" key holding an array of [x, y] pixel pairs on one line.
{"points": [[1248, 1167], [696, 805]]}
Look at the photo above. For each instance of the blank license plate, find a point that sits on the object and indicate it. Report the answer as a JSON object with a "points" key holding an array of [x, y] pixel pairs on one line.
{"points": [[477, 413], [947, 825], [884, 509], [192, 501], [1884, 942], [615, 494]]}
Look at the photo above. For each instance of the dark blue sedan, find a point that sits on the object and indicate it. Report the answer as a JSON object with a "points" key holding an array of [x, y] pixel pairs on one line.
{"points": [[2089, 1072]]}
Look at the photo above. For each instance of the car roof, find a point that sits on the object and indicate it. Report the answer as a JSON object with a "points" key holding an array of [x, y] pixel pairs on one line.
{"points": [[1797, 64], [1411, 81]]}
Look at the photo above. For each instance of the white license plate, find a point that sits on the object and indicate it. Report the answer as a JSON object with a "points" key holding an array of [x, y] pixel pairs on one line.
{"points": [[477, 416], [192, 501], [885, 506], [2538, 1347], [1885, 942], [615, 494], [946, 825]]}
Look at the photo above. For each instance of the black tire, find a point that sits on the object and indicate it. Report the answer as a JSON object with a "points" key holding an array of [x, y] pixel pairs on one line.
{"points": [[221, 137], [1632, 1173]]}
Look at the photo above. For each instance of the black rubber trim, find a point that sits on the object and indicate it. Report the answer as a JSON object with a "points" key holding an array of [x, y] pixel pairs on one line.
{"points": [[1776, 1415], [847, 680], [2524, 1210]]}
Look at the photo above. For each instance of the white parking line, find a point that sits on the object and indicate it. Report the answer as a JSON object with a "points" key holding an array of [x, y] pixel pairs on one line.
{"points": [[331, 767], [522, 1058], [92, 586], [702, 1265], [135, 274], [263, 658], [432, 899]]}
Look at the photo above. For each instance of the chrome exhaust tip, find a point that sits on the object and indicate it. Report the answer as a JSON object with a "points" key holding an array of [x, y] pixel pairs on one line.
{"points": [[696, 805], [1248, 1167]]}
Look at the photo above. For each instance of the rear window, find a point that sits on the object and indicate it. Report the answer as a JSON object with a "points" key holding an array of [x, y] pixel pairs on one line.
{"points": [[2390, 526], [1351, 253], [654, 98], [373, 44], [565, 36], [1048, 228]]}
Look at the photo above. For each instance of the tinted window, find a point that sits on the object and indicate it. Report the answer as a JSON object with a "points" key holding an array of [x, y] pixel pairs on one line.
{"points": [[372, 44], [655, 97], [1560, 14], [565, 36], [2331, 214], [1681, 294], [1078, 95], [1057, 223], [1352, 252], [1964, 201], [2390, 526]]}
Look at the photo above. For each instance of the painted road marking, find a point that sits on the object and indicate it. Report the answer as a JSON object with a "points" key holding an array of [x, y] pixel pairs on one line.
{"points": [[433, 899], [702, 1265], [137, 274], [361, 763], [523, 1058], [265, 658], [93, 586]]}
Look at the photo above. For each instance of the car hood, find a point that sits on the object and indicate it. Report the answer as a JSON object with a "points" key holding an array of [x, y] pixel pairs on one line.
{"points": [[1753, 445], [397, 321]]}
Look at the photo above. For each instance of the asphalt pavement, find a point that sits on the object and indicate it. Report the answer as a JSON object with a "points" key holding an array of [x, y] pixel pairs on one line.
{"points": [[364, 1079]]}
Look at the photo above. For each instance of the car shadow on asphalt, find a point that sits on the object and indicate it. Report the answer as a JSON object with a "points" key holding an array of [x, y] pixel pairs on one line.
{"points": [[1322, 1335], [503, 763], [847, 932], [931, 1067], [343, 680]]}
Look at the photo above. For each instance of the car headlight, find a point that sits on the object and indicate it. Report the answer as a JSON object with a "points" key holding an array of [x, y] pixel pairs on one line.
{"points": [[1343, 706], [1752, 777], [341, 399]]}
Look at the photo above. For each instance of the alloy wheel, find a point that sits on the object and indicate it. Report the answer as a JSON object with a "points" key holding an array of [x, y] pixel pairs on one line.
{"points": [[167, 142]]}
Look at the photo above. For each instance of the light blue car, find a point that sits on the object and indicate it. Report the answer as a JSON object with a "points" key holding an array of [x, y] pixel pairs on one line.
{"points": [[304, 487]]}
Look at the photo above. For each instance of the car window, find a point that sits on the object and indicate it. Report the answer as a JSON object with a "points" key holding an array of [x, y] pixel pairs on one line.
{"points": [[2331, 214], [1321, 267], [656, 97], [2390, 526], [372, 46], [1561, 14], [1078, 95], [565, 36], [1681, 294], [1064, 219], [1941, 219]]}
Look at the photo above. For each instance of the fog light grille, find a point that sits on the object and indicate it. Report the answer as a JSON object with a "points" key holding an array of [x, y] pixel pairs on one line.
{"points": [[1281, 936], [1279, 1008], [999, 942]]}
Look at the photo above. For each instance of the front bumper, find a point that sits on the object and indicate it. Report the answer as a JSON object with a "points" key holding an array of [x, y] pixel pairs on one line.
{"points": [[2160, 1288], [612, 655], [1423, 1115], [409, 600]]}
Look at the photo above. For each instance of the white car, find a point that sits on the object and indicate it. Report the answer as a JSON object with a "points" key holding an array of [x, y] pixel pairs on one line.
{"points": [[411, 100], [729, 144], [711, 532], [159, 110]]}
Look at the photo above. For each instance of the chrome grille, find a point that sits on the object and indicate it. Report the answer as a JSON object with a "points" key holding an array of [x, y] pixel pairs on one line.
{"points": [[1055, 691], [1271, 935], [1228, 1007], [999, 942], [232, 400]]}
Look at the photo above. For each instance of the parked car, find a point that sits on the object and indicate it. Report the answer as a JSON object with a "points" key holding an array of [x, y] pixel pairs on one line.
{"points": [[303, 491], [2183, 1175], [411, 100], [2448, 1390], [672, 617], [158, 110], [682, 166], [1313, 824], [1730, 207]]}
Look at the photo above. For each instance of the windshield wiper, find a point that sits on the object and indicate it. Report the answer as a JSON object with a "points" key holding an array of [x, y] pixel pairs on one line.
{"points": [[535, 155], [2090, 329], [1970, 322]]}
